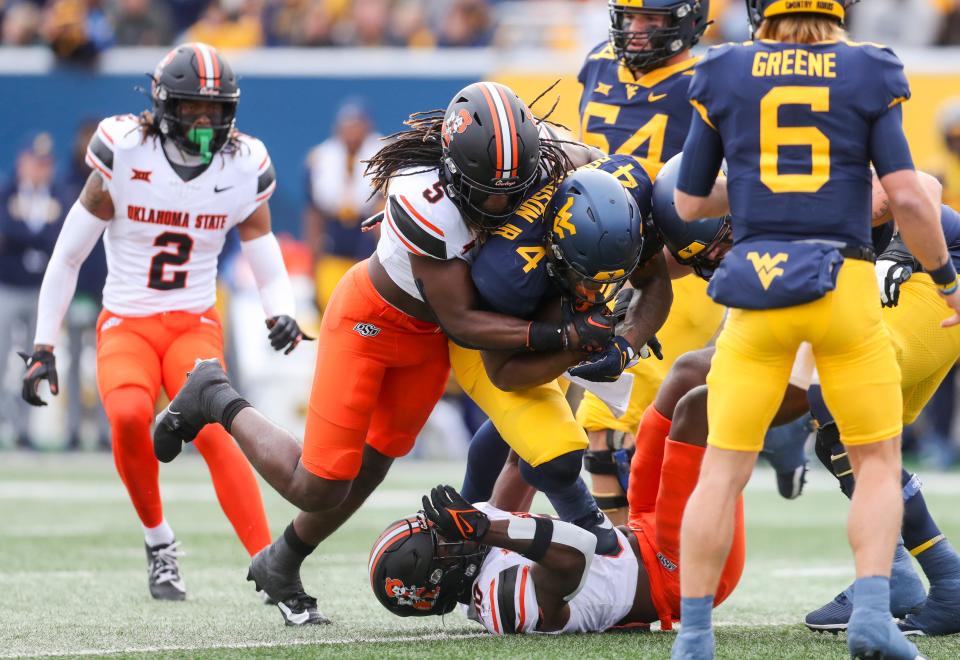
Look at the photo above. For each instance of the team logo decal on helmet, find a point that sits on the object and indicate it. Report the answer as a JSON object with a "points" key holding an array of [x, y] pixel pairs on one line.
{"points": [[456, 123], [419, 598]]}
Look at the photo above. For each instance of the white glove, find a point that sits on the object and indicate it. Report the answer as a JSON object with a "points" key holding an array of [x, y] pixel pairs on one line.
{"points": [[890, 275]]}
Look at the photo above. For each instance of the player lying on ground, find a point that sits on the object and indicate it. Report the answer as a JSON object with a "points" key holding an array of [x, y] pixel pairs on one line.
{"points": [[165, 189], [517, 573], [382, 360], [913, 312]]}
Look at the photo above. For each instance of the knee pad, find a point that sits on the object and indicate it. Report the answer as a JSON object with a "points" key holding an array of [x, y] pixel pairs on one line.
{"points": [[615, 460], [556, 474], [833, 455]]}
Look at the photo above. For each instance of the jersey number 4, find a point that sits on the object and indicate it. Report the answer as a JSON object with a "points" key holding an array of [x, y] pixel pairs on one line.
{"points": [[652, 134], [773, 136], [184, 245]]}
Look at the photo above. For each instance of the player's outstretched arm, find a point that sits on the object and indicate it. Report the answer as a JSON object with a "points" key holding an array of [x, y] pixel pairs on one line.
{"points": [[262, 251], [651, 303], [85, 222]]}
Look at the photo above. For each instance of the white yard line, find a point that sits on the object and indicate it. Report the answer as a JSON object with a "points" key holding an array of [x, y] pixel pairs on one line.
{"points": [[439, 637]]}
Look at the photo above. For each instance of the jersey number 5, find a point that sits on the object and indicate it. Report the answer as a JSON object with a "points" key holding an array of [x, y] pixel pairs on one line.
{"points": [[184, 245], [652, 134], [773, 136]]}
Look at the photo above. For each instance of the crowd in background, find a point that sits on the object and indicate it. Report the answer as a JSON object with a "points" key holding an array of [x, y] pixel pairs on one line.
{"points": [[78, 30]]}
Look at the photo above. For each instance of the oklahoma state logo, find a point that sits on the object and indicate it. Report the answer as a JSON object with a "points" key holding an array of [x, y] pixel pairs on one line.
{"points": [[455, 124], [767, 267], [366, 329]]}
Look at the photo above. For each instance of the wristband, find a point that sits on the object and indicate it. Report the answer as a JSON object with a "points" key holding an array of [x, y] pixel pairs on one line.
{"points": [[945, 276], [545, 337], [231, 410], [948, 289]]}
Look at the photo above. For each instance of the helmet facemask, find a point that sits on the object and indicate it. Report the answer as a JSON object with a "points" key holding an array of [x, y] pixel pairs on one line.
{"points": [[473, 198], [204, 140], [705, 259], [658, 43], [583, 288]]}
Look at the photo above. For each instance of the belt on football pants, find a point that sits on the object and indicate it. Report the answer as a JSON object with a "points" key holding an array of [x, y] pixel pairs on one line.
{"points": [[860, 252]]}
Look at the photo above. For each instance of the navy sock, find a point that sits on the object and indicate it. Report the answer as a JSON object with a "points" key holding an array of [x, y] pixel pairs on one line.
{"points": [[485, 458], [818, 407], [919, 529], [872, 593], [696, 613], [939, 561], [559, 479]]}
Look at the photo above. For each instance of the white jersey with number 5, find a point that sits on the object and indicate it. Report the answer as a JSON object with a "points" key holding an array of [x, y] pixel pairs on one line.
{"points": [[166, 235]]}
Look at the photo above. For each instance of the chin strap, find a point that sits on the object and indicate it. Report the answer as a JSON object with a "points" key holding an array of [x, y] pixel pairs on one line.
{"points": [[202, 137]]}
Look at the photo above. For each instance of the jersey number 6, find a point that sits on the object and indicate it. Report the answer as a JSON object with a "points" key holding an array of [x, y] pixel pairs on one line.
{"points": [[184, 245], [773, 136]]}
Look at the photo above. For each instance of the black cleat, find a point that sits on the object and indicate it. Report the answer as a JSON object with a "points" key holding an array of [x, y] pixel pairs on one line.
{"points": [[296, 607], [184, 417], [163, 572]]}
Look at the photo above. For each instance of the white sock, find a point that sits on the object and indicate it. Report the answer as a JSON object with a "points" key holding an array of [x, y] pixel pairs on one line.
{"points": [[162, 534]]}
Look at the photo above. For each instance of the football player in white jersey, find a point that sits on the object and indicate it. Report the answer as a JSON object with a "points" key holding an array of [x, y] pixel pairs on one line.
{"points": [[382, 361], [166, 188]]}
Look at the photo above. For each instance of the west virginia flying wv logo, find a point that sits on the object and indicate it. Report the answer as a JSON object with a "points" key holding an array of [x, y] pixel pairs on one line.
{"points": [[455, 124], [562, 221], [767, 267]]}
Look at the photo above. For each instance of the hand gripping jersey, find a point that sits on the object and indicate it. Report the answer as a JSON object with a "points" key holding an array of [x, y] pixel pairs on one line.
{"points": [[420, 219], [808, 109], [647, 117], [166, 235], [505, 601], [510, 270]]}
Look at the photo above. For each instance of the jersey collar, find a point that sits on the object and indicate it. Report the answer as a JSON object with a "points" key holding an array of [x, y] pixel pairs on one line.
{"points": [[655, 77]]}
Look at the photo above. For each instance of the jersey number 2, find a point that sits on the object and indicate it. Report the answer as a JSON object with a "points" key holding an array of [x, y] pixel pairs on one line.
{"points": [[184, 245], [773, 136]]}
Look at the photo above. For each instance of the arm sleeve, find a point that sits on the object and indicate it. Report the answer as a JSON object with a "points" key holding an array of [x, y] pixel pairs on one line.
{"points": [[266, 261], [889, 149], [702, 157], [80, 233]]}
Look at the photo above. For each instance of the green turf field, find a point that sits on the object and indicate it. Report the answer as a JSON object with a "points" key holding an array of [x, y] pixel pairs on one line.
{"points": [[73, 579]]}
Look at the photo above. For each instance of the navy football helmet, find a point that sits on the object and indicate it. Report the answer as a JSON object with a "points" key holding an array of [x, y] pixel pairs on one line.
{"points": [[646, 49], [595, 236], [757, 10], [700, 244], [416, 572]]}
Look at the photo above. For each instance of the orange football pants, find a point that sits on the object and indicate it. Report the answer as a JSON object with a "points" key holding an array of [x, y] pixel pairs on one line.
{"points": [[663, 474], [135, 357], [379, 374]]}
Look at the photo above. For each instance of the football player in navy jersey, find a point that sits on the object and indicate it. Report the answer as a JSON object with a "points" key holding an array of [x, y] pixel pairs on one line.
{"points": [[634, 103], [799, 130]]}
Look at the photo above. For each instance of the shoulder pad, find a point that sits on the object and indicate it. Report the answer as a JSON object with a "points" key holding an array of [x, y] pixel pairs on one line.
{"points": [[425, 221], [602, 51], [896, 88], [253, 158], [113, 134], [508, 602]]}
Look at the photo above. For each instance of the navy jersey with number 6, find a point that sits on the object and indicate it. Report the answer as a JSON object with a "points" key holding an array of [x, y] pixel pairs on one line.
{"points": [[800, 124], [510, 269], [646, 116]]}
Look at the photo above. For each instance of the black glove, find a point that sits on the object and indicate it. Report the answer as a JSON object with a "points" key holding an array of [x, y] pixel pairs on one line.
{"points": [[624, 296], [285, 333], [454, 516], [40, 366], [611, 363], [652, 346], [594, 328]]}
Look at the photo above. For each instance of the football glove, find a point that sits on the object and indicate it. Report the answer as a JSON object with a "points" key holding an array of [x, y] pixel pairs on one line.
{"points": [[890, 275], [285, 333], [652, 347], [593, 327], [454, 516], [609, 365], [40, 366], [624, 296]]}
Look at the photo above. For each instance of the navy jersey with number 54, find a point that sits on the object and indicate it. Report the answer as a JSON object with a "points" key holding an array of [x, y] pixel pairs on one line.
{"points": [[646, 116], [800, 124], [510, 270]]}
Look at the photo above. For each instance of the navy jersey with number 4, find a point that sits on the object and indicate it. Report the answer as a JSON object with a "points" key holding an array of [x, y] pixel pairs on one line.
{"points": [[510, 270], [646, 116], [800, 124]]}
